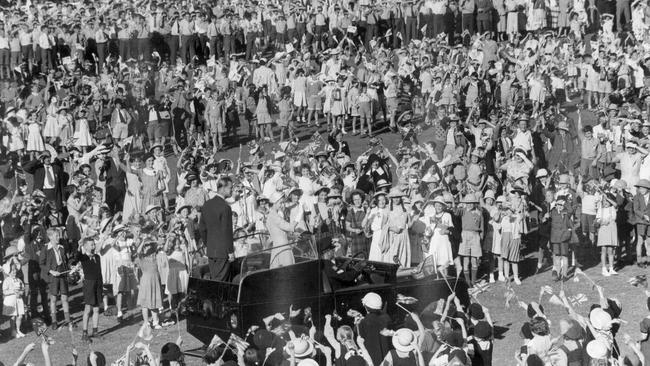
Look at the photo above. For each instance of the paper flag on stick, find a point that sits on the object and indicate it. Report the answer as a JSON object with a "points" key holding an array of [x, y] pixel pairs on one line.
{"points": [[555, 300], [510, 294], [401, 299], [578, 299], [640, 280]]}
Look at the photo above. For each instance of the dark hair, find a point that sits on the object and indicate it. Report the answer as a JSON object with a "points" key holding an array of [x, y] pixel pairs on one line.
{"points": [[101, 359], [223, 182], [539, 326]]}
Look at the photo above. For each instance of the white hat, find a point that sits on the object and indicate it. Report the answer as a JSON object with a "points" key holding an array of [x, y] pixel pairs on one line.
{"points": [[597, 349], [489, 194], [307, 362], [404, 340], [302, 347], [372, 301], [600, 319], [541, 173]]}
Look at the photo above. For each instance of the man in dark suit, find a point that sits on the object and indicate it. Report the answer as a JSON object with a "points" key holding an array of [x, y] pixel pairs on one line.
{"points": [[49, 177], [109, 170], [54, 267], [216, 231]]}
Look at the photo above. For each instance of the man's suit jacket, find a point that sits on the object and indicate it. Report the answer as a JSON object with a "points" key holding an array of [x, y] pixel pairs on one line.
{"points": [[36, 168], [48, 261], [112, 174], [640, 208], [216, 228]]}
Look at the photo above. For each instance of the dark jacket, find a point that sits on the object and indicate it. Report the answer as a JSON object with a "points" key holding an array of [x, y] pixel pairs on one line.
{"points": [[639, 209], [36, 168], [560, 226], [215, 228], [48, 262]]}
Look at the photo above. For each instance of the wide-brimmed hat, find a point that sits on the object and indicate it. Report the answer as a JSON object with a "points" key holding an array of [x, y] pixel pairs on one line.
{"points": [[563, 126], [117, 228], [597, 349], [644, 183], [154, 147], [321, 189], [11, 251], [379, 193], [382, 183], [541, 173], [302, 347], [440, 200], [180, 208], [404, 340], [395, 193], [470, 198], [151, 208]]}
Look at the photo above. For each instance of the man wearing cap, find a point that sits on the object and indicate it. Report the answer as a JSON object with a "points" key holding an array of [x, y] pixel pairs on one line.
{"points": [[215, 227]]}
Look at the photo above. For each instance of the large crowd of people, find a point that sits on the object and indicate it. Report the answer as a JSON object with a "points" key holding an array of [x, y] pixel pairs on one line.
{"points": [[512, 128]]}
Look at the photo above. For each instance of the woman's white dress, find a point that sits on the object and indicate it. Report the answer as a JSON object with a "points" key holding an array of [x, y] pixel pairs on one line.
{"points": [[82, 134], [133, 197], [380, 217], [178, 276], [15, 141], [13, 304], [51, 128], [439, 245], [34, 138]]}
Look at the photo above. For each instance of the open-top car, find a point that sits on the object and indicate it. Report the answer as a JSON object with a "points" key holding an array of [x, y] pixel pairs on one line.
{"points": [[313, 284]]}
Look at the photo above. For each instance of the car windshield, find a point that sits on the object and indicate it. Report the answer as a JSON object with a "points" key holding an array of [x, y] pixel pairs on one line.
{"points": [[262, 254]]}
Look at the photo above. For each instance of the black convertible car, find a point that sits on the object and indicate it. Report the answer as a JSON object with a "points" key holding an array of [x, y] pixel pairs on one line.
{"points": [[257, 291]]}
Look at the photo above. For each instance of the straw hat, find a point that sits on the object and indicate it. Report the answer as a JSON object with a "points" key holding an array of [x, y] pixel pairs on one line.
{"points": [[404, 340], [644, 183], [541, 173], [470, 198], [395, 193], [563, 126], [151, 208]]}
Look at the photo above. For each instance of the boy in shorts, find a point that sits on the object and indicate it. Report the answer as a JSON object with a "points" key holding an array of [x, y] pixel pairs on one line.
{"points": [[561, 227], [472, 235], [92, 285]]}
